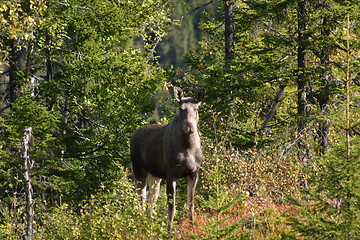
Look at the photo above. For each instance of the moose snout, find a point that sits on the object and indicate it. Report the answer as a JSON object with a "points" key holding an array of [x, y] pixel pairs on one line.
{"points": [[189, 127]]}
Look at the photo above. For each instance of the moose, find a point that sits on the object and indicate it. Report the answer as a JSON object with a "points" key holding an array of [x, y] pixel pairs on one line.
{"points": [[169, 152]]}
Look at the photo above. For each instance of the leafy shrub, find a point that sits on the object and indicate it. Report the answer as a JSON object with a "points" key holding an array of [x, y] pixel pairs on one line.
{"points": [[239, 193], [265, 176], [115, 214]]}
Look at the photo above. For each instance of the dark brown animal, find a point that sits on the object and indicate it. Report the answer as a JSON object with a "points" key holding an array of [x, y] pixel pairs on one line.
{"points": [[169, 152]]}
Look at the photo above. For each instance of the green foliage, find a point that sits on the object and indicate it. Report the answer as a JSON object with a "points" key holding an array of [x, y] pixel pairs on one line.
{"points": [[94, 80], [331, 207], [240, 192], [266, 174], [221, 217], [11, 224], [110, 214], [270, 223], [185, 32], [18, 20], [90, 86], [26, 111], [255, 72]]}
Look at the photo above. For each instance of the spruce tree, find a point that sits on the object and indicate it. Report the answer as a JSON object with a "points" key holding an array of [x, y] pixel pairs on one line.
{"points": [[330, 207]]}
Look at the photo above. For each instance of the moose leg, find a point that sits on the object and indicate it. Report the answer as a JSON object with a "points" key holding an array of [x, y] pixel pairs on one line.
{"points": [[141, 189], [171, 193], [154, 189], [191, 185]]}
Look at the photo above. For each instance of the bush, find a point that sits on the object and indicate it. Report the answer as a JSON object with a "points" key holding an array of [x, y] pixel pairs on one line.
{"points": [[330, 205], [115, 214]]}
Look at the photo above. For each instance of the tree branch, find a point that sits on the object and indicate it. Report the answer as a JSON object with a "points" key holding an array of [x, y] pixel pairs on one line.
{"points": [[196, 8], [294, 142], [101, 147], [4, 108], [273, 107]]}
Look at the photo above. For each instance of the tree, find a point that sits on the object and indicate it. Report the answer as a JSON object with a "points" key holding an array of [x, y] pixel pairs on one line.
{"points": [[259, 63], [29, 209], [284, 78], [301, 78], [78, 83], [185, 32], [334, 192], [229, 33]]}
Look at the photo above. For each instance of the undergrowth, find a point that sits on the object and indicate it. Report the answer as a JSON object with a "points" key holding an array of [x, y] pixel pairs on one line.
{"points": [[241, 195]]}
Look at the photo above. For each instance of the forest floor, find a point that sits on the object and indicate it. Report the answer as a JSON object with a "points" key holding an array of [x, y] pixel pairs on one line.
{"points": [[261, 220]]}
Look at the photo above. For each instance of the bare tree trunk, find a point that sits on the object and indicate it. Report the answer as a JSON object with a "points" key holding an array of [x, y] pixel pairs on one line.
{"points": [[27, 166], [301, 83], [273, 107], [229, 33]]}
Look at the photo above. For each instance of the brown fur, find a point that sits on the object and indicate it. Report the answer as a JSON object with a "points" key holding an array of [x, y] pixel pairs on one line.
{"points": [[169, 152]]}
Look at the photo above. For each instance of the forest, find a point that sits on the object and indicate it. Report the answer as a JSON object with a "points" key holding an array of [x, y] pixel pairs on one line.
{"points": [[279, 124]]}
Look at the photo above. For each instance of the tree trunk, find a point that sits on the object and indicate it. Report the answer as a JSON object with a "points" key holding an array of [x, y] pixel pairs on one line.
{"points": [[27, 166], [324, 95], [229, 33], [18, 61], [301, 84], [273, 107], [13, 68], [49, 72], [301, 64]]}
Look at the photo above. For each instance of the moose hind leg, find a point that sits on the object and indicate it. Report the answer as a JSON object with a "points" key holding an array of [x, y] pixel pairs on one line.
{"points": [[140, 187], [140, 177], [171, 195], [191, 185], [154, 189]]}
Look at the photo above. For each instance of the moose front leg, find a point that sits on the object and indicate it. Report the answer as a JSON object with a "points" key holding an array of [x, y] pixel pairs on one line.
{"points": [[191, 185], [171, 194]]}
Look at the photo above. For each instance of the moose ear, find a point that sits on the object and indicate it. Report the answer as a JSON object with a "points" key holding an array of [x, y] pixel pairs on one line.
{"points": [[201, 95], [178, 93]]}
